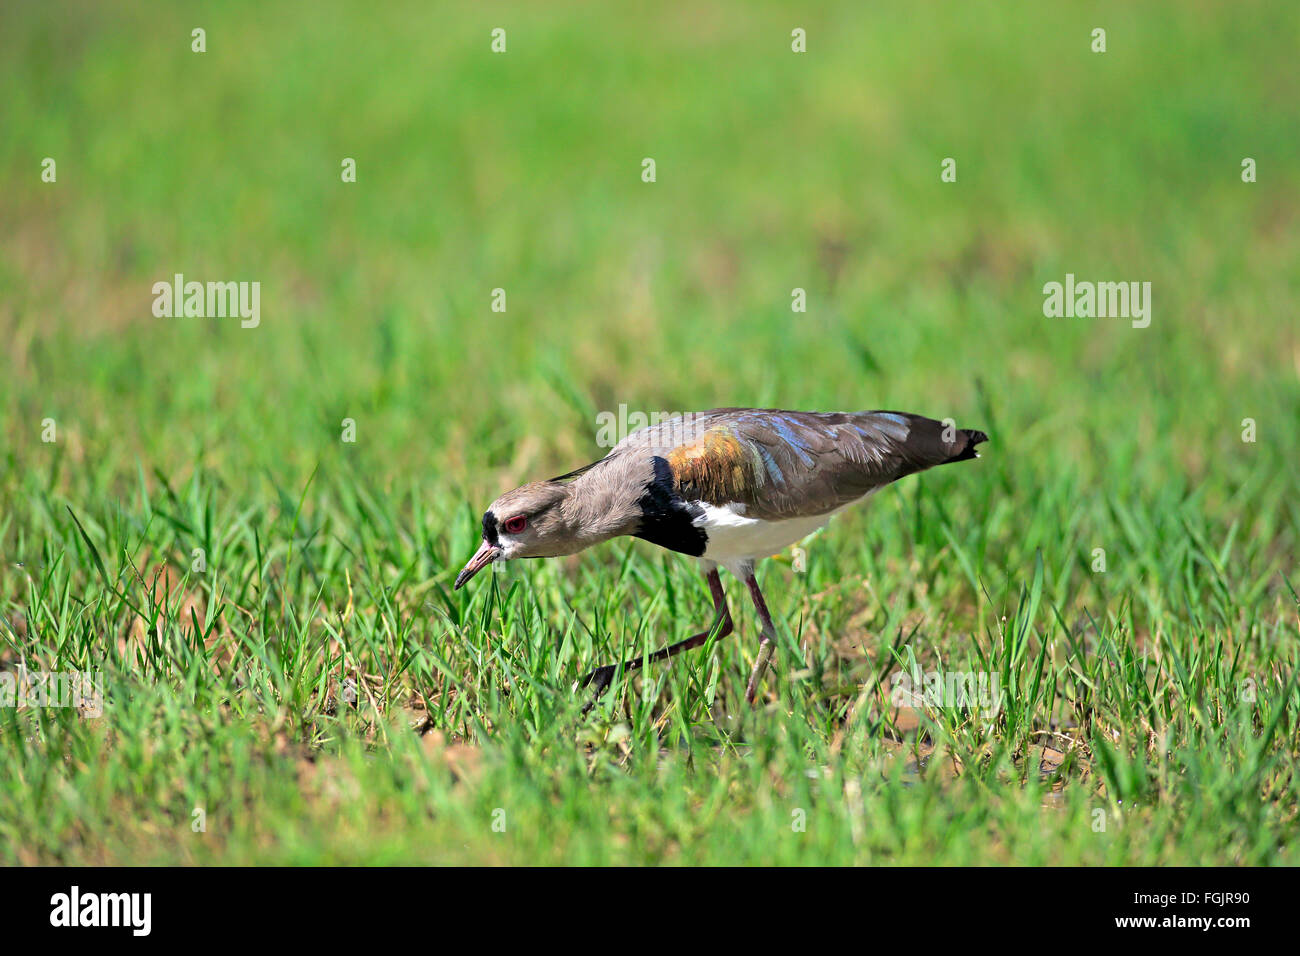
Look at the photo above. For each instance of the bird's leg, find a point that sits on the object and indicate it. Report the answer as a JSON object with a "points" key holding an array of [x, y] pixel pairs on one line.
{"points": [[766, 643], [602, 676]]}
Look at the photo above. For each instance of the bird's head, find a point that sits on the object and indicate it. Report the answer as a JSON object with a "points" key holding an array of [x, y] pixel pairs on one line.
{"points": [[529, 522]]}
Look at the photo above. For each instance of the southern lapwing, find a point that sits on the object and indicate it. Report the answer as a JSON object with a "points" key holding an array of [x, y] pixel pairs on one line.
{"points": [[728, 486]]}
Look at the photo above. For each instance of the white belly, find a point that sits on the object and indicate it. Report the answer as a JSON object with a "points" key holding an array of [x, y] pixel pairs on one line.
{"points": [[735, 539]]}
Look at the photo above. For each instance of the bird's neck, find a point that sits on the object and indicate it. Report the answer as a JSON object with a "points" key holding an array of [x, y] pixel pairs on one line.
{"points": [[602, 504]]}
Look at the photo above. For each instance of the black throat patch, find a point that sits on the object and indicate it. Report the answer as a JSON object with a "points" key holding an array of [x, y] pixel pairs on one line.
{"points": [[666, 518], [490, 529]]}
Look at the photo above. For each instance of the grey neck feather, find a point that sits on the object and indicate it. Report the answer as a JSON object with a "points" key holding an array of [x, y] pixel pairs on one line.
{"points": [[603, 503]]}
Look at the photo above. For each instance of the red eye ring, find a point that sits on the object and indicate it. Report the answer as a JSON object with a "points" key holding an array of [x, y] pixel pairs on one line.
{"points": [[516, 524]]}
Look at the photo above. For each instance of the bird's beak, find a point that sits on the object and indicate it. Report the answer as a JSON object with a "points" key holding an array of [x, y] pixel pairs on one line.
{"points": [[485, 555]]}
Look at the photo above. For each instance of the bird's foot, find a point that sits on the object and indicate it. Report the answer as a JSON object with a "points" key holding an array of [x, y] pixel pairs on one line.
{"points": [[601, 677], [599, 680]]}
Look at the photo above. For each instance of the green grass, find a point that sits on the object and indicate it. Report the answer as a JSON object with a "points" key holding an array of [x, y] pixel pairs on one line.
{"points": [[1151, 711]]}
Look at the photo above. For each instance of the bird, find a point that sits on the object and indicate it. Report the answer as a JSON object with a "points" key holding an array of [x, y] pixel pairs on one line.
{"points": [[728, 487]]}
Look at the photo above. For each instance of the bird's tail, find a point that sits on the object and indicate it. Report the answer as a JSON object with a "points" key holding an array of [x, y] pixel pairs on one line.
{"points": [[922, 443], [967, 439]]}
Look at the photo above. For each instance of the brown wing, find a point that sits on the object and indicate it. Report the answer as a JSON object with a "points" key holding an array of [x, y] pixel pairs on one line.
{"points": [[783, 464]]}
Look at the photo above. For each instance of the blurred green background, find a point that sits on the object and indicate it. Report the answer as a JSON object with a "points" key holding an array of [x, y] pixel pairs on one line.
{"points": [[522, 171]]}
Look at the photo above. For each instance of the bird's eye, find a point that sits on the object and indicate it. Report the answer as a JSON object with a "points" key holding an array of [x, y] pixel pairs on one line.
{"points": [[516, 524]]}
